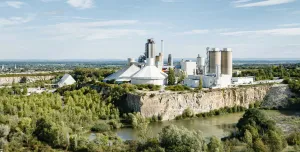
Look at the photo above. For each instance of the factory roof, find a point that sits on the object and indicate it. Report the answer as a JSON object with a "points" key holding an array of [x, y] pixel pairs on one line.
{"points": [[150, 73], [124, 74]]}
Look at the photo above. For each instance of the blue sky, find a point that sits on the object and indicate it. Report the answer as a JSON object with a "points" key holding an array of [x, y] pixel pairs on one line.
{"points": [[118, 29]]}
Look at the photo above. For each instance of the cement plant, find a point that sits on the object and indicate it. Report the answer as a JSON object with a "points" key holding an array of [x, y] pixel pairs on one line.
{"points": [[214, 70]]}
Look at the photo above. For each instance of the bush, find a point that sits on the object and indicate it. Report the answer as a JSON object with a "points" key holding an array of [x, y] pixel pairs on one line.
{"points": [[294, 139], [177, 88], [215, 145], [175, 139], [150, 87], [152, 95], [100, 127], [114, 124], [187, 113]]}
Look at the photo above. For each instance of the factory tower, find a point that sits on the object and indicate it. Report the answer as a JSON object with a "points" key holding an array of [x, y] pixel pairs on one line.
{"points": [[150, 49]]}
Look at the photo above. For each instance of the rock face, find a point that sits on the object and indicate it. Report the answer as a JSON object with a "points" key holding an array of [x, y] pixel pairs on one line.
{"points": [[171, 104], [10, 80], [277, 97]]}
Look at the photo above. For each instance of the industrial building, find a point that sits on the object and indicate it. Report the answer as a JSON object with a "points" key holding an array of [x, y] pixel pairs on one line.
{"points": [[242, 80], [215, 72], [125, 74], [149, 74], [189, 67], [148, 71], [67, 79]]}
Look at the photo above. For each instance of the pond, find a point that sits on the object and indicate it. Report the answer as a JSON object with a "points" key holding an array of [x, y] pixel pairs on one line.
{"points": [[219, 126]]}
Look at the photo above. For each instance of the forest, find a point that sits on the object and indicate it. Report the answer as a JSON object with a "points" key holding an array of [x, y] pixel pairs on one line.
{"points": [[60, 121]]}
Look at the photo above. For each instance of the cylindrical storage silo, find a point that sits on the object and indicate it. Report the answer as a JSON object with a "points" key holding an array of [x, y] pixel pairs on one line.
{"points": [[200, 62], [214, 60], [130, 61], [226, 61]]}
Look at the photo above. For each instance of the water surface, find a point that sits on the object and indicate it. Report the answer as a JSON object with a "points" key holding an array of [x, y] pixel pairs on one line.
{"points": [[219, 126]]}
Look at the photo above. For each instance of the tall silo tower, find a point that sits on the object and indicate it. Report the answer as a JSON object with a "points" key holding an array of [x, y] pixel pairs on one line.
{"points": [[226, 61], [200, 64], [170, 60], [214, 60], [150, 49]]}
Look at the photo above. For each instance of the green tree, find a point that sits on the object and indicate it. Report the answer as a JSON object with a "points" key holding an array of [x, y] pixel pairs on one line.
{"points": [[200, 84], [259, 146], [215, 145], [25, 91], [171, 77], [175, 139], [247, 137]]}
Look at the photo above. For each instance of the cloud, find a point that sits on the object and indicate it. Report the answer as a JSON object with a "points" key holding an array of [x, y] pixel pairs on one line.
{"points": [[263, 3], [81, 4], [290, 25], [272, 32], [15, 4], [46, 1], [241, 1], [193, 32], [92, 30], [82, 18], [15, 20]]}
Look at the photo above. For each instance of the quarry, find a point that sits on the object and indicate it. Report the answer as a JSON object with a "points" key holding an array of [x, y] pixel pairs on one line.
{"points": [[170, 104]]}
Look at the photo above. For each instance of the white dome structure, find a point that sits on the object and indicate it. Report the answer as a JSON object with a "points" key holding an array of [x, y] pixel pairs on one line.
{"points": [[150, 74], [123, 75]]}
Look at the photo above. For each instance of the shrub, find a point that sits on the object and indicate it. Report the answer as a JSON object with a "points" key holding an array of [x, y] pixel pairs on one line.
{"points": [[152, 95], [294, 138], [258, 145], [100, 127], [114, 124], [177, 139], [4, 130], [187, 113], [150, 87], [177, 88], [215, 145]]}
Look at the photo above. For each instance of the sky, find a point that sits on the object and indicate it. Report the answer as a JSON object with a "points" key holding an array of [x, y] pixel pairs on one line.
{"points": [[118, 29]]}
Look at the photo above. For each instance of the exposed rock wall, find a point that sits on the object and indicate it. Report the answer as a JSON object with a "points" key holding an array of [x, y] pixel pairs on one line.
{"points": [[277, 97], [10, 80], [171, 104]]}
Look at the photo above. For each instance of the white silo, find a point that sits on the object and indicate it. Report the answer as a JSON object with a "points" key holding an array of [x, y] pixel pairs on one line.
{"points": [[214, 60], [226, 61]]}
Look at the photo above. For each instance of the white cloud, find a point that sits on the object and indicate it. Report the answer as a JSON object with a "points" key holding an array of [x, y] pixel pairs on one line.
{"points": [[15, 4], [264, 3], [241, 1], [192, 32], [49, 1], [92, 30], [82, 18], [81, 4], [290, 25], [15, 20], [272, 32]]}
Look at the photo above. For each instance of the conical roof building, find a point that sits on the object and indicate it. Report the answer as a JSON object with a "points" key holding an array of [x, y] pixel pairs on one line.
{"points": [[149, 74], [123, 75]]}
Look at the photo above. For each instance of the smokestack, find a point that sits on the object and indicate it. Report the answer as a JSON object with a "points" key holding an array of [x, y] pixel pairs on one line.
{"points": [[162, 52]]}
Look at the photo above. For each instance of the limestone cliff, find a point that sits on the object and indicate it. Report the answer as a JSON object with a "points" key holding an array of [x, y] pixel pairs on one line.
{"points": [[10, 80], [171, 104]]}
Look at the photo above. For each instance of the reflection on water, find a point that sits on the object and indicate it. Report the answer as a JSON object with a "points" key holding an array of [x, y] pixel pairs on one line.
{"points": [[219, 126]]}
